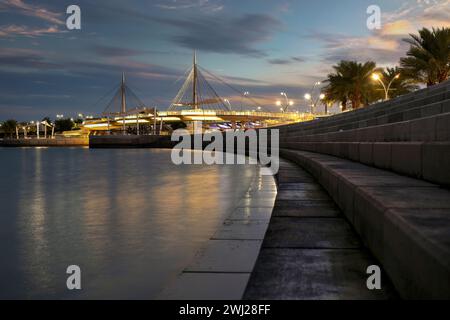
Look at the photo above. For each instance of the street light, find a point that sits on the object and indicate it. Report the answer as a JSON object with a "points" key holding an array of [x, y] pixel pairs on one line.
{"points": [[314, 102], [289, 103], [244, 95], [228, 102], [377, 77]]}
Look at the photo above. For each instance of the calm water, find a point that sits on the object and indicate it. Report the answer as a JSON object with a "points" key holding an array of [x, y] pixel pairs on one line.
{"points": [[129, 218]]}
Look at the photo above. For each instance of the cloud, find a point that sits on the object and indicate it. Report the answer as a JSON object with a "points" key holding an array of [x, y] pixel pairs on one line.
{"points": [[106, 51], [399, 27], [413, 16], [30, 10], [385, 50], [286, 61], [386, 46], [110, 51], [204, 5], [24, 59], [37, 61], [437, 15], [224, 34], [279, 61], [298, 59], [14, 30]]}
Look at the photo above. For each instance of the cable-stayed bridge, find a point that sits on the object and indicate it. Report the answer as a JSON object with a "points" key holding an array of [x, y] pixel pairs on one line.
{"points": [[196, 100]]}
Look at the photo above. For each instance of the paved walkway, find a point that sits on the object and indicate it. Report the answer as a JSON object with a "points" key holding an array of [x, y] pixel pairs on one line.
{"points": [[221, 269], [310, 250]]}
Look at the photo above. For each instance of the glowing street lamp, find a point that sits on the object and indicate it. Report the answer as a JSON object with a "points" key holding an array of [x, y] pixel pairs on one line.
{"points": [[228, 103], [314, 102], [289, 103], [377, 77]]}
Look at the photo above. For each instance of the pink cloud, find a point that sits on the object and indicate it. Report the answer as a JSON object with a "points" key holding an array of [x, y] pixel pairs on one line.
{"points": [[32, 11], [15, 30]]}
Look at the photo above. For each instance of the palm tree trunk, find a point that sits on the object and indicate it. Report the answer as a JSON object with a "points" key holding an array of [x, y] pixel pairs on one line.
{"points": [[443, 76]]}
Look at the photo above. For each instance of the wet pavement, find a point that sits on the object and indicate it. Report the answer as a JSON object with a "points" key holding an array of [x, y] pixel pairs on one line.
{"points": [[310, 251]]}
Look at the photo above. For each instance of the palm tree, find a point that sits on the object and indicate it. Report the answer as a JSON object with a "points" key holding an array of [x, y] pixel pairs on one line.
{"points": [[428, 58], [335, 92], [351, 82], [9, 127]]}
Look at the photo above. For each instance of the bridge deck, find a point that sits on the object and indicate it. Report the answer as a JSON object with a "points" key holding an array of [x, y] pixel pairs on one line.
{"points": [[310, 250]]}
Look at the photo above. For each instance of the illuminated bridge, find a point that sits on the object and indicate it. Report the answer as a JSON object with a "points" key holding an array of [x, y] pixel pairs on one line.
{"points": [[196, 100]]}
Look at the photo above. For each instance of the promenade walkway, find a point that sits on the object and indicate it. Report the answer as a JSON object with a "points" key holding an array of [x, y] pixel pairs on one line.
{"points": [[310, 250]]}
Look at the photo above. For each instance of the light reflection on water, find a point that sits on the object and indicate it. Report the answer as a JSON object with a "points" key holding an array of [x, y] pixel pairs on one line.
{"points": [[129, 218]]}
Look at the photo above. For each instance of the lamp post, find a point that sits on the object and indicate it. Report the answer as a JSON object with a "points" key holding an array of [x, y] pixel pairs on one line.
{"points": [[310, 97], [244, 95], [314, 102], [228, 103], [377, 77], [289, 103]]}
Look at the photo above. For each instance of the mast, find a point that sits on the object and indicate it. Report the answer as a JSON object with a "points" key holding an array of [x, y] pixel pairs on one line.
{"points": [[122, 89], [194, 86], [124, 103]]}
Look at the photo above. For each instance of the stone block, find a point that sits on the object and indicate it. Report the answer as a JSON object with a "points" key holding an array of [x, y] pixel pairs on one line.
{"points": [[423, 129], [366, 153], [382, 155], [407, 158], [443, 127], [436, 162], [353, 151]]}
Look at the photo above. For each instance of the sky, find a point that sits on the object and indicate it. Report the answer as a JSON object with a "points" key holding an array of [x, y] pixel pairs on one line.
{"points": [[260, 46]]}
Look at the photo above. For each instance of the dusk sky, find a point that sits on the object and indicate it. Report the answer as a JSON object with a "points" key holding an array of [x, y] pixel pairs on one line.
{"points": [[260, 46]]}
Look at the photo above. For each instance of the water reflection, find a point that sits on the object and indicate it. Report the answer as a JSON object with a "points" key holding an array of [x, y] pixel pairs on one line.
{"points": [[129, 218]]}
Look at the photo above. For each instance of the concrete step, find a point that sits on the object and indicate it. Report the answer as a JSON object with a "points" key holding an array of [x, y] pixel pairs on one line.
{"points": [[423, 160], [416, 99], [310, 250], [404, 222], [392, 117], [432, 128]]}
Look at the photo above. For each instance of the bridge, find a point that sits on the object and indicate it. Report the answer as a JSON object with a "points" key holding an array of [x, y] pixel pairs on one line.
{"points": [[196, 100]]}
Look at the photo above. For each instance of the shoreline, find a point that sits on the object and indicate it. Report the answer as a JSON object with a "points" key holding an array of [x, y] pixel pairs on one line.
{"points": [[229, 257], [58, 142]]}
